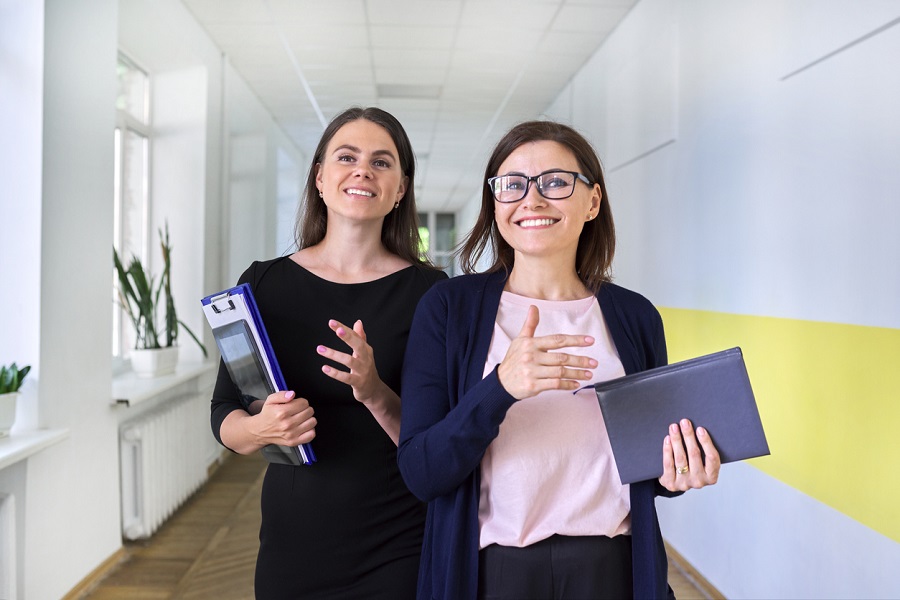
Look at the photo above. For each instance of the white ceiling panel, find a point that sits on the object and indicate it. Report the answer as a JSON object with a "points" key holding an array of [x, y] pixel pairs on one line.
{"points": [[430, 36], [343, 36], [502, 14], [409, 76], [413, 12], [457, 73], [316, 13], [588, 17], [428, 58]]}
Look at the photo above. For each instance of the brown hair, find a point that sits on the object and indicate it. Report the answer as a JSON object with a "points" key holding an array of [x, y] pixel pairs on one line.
{"points": [[400, 230], [597, 243]]}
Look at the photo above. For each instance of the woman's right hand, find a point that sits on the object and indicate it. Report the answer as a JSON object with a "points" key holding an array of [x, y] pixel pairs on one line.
{"points": [[284, 419], [530, 368]]}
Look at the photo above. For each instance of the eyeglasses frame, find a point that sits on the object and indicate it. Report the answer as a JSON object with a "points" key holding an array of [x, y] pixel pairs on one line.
{"points": [[534, 178]]}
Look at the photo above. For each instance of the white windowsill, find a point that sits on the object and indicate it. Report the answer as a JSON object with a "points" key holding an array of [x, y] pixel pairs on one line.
{"points": [[19, 446], [128, 389]]}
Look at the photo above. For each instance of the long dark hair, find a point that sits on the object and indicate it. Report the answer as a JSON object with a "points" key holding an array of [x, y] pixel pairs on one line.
{"points": [[400, 230], [597, 243]]}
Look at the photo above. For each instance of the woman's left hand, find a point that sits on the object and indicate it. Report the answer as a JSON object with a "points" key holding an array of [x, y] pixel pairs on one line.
{"points": [[684, 467], [363, 376]]}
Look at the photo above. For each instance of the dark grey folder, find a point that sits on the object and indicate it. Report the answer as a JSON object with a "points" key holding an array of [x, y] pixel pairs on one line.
{"points": [[713, 391]]}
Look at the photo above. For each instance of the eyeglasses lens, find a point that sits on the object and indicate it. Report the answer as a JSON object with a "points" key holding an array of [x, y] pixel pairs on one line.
{"points": [[555, 185]]}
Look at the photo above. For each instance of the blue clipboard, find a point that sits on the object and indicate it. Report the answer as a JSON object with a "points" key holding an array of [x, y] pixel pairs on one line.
{"points": [[245, 348]]}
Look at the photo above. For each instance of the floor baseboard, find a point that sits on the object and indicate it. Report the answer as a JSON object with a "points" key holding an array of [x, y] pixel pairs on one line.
{"points": [[692, 575], [97, 575]]}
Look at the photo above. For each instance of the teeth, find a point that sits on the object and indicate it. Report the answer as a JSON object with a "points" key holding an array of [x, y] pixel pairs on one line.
{"points": [[536, 222], [360, 193]]}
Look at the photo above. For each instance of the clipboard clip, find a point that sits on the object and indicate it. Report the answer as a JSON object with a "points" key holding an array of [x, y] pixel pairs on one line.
{"points": [[221, 307]]}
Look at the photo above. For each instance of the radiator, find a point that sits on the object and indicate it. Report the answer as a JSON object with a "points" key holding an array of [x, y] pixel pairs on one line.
{"points": [[163, 461]]}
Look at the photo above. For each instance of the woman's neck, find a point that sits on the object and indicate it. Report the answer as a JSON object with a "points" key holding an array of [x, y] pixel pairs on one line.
{"points": [[350, 255], [545, 280]]}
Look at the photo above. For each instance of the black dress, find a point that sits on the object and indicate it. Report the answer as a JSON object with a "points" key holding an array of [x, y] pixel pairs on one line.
{"points": [[345, 527]]}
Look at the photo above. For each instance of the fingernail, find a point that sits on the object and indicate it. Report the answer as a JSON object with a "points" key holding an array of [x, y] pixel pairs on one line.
{"points": [[701, 432], [321, 349], [332, 322], [588, 339], [667, 441], [685, 424], [593, 363], [673, 429], [326, 369], [289, 395]]}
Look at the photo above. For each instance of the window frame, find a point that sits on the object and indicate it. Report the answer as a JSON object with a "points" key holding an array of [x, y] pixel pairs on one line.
{"points": [[127, 123]]}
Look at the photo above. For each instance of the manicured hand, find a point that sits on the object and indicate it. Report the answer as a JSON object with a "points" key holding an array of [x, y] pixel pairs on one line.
{"points": [[530, 367], [361, 374], [684, 467], [285, 419]]}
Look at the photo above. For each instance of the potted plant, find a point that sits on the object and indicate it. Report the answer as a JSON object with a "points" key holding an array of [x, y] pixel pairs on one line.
{"points": [[11, 378], [155, 351]]}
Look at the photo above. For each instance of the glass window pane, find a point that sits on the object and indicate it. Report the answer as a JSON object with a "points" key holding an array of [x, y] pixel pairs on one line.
{"points": [[445, 232], [134, 196], [133, 88]]}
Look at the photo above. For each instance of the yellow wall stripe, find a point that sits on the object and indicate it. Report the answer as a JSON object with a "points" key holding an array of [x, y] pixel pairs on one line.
{"points": [[829, 398]]}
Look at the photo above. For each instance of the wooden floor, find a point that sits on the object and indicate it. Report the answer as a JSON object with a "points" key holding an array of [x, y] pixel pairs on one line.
{"points": [[207, 549]]}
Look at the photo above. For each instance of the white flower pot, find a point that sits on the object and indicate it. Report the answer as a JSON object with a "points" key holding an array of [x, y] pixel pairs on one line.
{"points": [[154, 362], [7, 412]]}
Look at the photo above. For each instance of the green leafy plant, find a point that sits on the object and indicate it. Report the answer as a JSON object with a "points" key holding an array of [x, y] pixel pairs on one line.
{"points": [[139, 295], [11, 378]]}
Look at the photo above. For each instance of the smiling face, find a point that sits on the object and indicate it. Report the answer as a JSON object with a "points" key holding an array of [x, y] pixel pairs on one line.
{"points": [[536, 226], [360, 176]]}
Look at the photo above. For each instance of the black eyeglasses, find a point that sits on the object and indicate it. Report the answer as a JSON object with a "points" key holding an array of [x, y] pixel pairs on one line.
{"points": [[553, 185]]}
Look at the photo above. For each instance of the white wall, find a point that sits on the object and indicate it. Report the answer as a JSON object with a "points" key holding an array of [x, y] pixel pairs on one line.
{"points": [[72, 487], [743, 185], [255, 147], [58, 90]]}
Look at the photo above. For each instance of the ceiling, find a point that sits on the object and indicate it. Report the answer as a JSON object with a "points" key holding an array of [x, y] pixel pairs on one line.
{"points": [[456, 73]]}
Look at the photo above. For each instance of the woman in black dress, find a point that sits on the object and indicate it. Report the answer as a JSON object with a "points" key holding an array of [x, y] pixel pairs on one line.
{"points": [[338, 313]]}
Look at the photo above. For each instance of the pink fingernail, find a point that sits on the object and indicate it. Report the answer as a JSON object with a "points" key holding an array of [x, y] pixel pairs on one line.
{"points": [[588, 339], [326, 369], [321, 349], [289, 395]]}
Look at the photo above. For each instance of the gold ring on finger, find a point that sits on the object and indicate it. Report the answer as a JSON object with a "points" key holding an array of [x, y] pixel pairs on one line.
{"points": [[683, 470]]}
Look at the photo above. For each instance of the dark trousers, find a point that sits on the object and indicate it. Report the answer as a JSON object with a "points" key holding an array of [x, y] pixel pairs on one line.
{"points": [[559, 567]]}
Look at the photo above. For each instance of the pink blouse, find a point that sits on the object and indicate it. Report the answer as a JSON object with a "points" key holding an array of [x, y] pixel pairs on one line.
{"points": [[551, 469]]}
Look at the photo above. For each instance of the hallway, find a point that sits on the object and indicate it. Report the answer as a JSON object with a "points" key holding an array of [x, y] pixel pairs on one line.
{"points": [[207, 549]]}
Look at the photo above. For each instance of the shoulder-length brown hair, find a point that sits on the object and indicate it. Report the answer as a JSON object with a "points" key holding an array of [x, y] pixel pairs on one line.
{"points": [[597, 243], [400, 230]]}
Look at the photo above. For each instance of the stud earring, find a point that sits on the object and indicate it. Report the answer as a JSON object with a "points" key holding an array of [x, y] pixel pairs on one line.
{"points": [[396, 205], [320, 194]]}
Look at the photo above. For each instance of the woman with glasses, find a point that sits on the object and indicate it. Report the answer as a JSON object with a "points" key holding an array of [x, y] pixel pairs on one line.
{"points": [[524, 498], [338, 312]]}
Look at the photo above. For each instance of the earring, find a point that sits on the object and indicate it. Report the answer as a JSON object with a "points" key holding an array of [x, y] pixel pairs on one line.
{"points": [[396, 205], [320, 194], [589, 217]]}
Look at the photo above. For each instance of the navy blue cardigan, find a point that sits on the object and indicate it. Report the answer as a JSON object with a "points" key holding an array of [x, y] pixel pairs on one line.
{"points": [[450, 415]]}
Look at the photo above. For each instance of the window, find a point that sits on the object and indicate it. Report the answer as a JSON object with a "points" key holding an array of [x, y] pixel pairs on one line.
{"points": [[438, 234], [131, 182]]}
